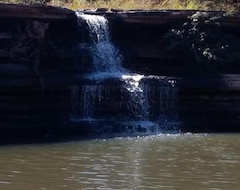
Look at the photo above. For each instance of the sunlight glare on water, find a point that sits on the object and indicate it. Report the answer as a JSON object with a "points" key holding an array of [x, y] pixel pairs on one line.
{"points": [[167, 162], [133, 82]]}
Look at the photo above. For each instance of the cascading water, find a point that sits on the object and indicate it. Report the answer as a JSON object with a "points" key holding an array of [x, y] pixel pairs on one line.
{"points": [[106, 58], [131, 101]]}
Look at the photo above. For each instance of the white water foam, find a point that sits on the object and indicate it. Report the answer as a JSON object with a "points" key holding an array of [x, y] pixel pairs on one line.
{"points": [[138, 101]]}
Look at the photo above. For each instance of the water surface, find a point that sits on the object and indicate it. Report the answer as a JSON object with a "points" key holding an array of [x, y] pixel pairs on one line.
{"points": [[183, 161]]}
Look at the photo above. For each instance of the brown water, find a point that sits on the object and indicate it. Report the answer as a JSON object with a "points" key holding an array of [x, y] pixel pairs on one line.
{"points": [[168, 162]]}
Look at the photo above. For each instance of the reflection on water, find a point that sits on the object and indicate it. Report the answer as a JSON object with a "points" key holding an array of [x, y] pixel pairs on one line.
{"points": [[155, 162]]}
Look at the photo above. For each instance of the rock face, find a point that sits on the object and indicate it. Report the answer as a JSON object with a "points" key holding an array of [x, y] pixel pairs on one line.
{"points": [[32, 34], [34, 41], [38, 63]]}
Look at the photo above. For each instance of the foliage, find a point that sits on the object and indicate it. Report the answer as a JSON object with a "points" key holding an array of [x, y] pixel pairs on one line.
{"points": [[202, 42]]}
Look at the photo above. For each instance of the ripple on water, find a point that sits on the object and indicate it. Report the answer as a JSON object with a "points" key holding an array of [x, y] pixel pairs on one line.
{"points": [[162, 161]]}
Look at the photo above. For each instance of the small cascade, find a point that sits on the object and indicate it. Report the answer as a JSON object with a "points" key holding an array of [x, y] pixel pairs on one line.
{"points": [[125, 101], [84, 99], [106, 57], [138, 98]]}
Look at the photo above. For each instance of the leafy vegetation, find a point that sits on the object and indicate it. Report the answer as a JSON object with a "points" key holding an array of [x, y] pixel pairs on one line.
{"points": [[203, 43], [228, 5]]}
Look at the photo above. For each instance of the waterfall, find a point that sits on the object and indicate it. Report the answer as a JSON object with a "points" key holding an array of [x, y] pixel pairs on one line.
{"points": [[115, 93], [106, 58]]}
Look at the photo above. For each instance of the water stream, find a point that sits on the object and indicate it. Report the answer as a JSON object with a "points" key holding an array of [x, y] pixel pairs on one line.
{"points": [[116, 94]]}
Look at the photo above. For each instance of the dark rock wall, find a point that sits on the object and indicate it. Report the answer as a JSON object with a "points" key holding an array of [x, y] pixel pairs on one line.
{"points": [[40, 60], [37, 51]]}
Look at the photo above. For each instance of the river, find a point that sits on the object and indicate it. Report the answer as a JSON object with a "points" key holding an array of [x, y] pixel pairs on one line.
{"points": [[164, 161]]}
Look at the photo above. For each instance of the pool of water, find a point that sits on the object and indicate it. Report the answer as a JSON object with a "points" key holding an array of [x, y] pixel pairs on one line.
{"points": [[164, 161]]}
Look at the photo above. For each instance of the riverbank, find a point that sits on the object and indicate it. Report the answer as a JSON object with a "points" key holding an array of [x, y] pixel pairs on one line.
{"points": [[226, 5]]}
